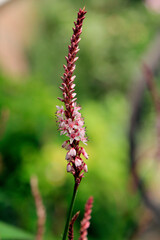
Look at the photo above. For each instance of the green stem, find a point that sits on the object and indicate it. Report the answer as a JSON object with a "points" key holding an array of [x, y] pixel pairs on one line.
{"points": [[70, 212]]}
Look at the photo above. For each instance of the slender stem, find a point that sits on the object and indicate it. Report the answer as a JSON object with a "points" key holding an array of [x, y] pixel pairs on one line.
{"points": [[70, 212]]}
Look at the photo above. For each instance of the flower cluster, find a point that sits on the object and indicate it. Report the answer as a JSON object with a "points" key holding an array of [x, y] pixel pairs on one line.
{"points": [[72, 127], [70, 120]]}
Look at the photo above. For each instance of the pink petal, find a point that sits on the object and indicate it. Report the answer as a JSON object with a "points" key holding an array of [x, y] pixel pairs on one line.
{"points": [[78, 162], [72, 152]]}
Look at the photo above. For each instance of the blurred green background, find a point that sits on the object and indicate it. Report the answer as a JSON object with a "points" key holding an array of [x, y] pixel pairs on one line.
{"points": [[116, 34]]}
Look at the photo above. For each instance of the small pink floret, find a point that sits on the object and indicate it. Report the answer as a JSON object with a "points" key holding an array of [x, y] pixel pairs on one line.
{"points": [[72, 78], [73, 85], [84, 140], [60, 110], [78, 162], [72, 152], [74, 94], [80, 122]]}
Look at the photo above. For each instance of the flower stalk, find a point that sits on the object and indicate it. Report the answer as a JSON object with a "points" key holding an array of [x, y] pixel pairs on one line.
{"points": [[70, 211]]}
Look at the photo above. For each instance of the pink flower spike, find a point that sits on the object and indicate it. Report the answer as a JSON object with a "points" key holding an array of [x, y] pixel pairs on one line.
{"points": [[85, 223], [72, 152], [78, 162], [70, 230], [69, 118]]}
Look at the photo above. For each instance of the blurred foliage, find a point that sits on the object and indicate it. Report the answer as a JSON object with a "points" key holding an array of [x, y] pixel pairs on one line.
{"points": [[115, 36], [10, 232]]}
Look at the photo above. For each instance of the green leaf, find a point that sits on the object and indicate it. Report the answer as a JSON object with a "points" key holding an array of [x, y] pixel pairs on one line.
{"points": [[10, 232]]}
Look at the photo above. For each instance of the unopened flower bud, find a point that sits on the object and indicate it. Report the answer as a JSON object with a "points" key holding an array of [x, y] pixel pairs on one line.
{"points": [[85, 168], [69, 168], [65, 144], [68, 157], [84, 153], [73, 85], [74, 94]]}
